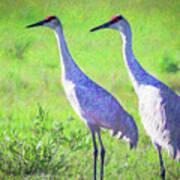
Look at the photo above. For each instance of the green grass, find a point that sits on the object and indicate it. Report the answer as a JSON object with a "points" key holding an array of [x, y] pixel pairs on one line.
{"points": [[41, 136]]}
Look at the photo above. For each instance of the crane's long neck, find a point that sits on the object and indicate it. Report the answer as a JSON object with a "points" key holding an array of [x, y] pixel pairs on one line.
{"points": [[70, 71], [136, 72]]}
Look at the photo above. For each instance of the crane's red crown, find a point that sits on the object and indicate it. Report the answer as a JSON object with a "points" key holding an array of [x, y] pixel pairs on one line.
{"points": [[49, 18], [115, 19]]}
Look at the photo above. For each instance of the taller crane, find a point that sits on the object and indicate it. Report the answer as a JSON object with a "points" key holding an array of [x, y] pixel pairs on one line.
{"points": [[159, 106]]}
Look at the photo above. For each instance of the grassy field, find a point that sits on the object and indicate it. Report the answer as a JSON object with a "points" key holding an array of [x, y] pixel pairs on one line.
{"points": [[41, 136]]}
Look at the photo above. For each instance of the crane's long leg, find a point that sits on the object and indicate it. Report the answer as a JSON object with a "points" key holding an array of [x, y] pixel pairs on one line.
{"points": [[95, 152], [162, 171], [102, 155]]}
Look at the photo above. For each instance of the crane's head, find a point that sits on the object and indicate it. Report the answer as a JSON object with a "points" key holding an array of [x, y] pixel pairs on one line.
{"points": [[50, 21], [117, 22]]}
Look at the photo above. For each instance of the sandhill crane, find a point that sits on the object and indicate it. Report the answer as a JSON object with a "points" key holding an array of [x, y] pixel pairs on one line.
{"points": [[93, 104], [159, 106]]}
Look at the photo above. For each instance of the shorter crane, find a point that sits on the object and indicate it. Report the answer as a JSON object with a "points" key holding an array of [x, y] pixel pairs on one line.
{"points": [[159, 106], [97, 107]]}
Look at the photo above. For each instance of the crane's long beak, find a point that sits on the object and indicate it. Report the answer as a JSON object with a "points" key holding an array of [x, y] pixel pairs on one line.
{"points": [[40, 23], [105, 25]]}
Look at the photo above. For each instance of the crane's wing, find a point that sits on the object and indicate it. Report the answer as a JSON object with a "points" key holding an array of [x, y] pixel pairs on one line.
{"points": [[170, 113], [98, 105]]}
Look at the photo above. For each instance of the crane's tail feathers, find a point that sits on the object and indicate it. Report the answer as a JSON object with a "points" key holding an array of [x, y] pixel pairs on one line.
{"points": [[120, 135], [131, 145], [178, 155], [132, 140], [113, 133], [174, 152]]}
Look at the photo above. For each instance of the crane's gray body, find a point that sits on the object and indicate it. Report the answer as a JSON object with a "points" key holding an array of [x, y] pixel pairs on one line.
{"points": [[97, 107], [159, 109], [159, 106]]}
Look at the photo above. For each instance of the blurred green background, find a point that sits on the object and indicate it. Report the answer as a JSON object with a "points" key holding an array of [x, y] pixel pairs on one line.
{"points": [[41, 136]]}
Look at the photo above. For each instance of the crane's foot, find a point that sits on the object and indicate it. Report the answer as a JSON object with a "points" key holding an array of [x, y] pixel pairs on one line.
{"points": [[162, 174]]}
